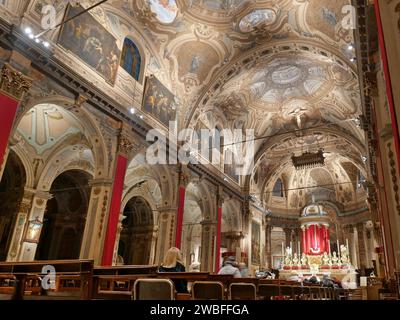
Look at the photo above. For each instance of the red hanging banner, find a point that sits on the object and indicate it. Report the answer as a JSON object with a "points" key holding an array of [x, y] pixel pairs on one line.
{"points": [[115, 207]]}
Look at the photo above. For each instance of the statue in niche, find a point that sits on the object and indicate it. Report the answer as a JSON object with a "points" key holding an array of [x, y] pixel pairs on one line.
{"points": [[195, 64]]}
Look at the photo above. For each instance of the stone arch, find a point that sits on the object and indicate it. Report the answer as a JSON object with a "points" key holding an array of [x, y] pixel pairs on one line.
{"points": [[83, 116], [12, 188], [136, 243], [64, 220], [277, 139]]}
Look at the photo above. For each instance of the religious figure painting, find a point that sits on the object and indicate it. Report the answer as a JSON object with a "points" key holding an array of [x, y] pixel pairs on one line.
{"points": [[131, 60], [255, 243], [158, 101], [85, 37]]}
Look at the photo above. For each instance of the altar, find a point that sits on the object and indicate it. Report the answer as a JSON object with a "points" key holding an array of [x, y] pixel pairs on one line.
{"points": [[316, 258], [349, 275]]}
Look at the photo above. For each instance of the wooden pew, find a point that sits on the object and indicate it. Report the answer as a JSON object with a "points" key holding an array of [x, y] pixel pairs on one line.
{"points": [[116, 282], [73, 279]]}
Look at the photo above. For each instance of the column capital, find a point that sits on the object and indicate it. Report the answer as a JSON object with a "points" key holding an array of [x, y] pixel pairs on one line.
{"points": [[125, 145], [13, 83]]}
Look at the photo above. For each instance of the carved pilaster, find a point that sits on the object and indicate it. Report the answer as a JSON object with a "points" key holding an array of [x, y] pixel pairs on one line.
{"points": [[361, 245], [13, 83]]}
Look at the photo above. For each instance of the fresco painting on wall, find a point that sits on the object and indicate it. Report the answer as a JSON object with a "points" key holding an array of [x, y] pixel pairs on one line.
{"points": [[85, 37], [255, 243], [158, 101]]}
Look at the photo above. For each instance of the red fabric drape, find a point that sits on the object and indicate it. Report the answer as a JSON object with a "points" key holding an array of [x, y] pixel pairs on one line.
{"points": [[218, 245], [179, 217], [8, 109], [115, 207]]}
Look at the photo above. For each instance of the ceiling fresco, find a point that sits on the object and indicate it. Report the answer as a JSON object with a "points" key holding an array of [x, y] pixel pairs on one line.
{"points": [[284, 68]]}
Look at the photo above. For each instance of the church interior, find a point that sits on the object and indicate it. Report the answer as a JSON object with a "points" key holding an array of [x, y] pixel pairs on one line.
{"points": [[256, 135]]}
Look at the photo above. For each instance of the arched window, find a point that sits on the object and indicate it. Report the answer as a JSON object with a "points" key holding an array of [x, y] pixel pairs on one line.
{"points": [[131, 60], [278, 189]]}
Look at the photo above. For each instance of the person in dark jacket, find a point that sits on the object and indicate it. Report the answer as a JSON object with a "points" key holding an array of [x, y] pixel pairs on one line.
{"points": [[173, 263]]}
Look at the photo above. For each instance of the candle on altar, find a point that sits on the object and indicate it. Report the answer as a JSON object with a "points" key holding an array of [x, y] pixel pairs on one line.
{"points": [[338, 249], [283, 251], [298, 248]]}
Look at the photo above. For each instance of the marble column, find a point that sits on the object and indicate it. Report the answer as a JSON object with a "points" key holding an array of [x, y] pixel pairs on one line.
{"points": [[220, 202], [93, 236], [288, 236], [20, 224], [182, 182], [208, 242], [361, 246], [28, 249], [166, 231], [125, 147], [268, 245]]}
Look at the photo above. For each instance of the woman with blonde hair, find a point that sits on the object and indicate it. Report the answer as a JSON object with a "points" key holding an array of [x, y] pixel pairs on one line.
{"points": [[173, 263]]}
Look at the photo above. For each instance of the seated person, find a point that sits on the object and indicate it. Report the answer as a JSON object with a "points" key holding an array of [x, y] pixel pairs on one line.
{"points": [[327, 282], [244, 271], [230, 267], [194, 267], [173, 263]]}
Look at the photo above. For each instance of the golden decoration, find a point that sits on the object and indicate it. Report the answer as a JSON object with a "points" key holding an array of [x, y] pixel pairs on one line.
{"points": [[13, 83]]}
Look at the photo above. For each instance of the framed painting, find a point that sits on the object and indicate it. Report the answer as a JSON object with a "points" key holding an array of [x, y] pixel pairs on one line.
{"points": [[255, 243], [33, 231], [86, 38], [158, 101]]}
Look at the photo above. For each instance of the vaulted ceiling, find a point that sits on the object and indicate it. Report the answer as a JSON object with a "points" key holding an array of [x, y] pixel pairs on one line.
{"points": [[284, 68]]}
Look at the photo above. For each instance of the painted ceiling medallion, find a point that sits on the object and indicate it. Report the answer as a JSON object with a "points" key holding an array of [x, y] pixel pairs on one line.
{"points": [[286, 74], [256, 18], [285, 79], [165, 10], [222, 4]]}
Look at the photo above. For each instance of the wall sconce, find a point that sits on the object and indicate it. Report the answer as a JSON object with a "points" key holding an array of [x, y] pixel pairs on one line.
{"points": [[33, 231]]}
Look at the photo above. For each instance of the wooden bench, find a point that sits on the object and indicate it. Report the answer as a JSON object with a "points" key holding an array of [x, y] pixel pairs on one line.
{"points": [[116, 282], [73, 279]]}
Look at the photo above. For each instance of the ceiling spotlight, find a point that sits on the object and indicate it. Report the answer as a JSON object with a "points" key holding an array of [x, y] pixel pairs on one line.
{"points": [[364, 158], [28, 30], [46, 44], [353, 59], [31, 36], [132, 110], [141, 117], [37, 40], [350, 47]]}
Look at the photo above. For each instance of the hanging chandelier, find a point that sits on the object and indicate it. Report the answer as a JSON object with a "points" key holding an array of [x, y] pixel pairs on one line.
{"points": [[309, 160]]}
